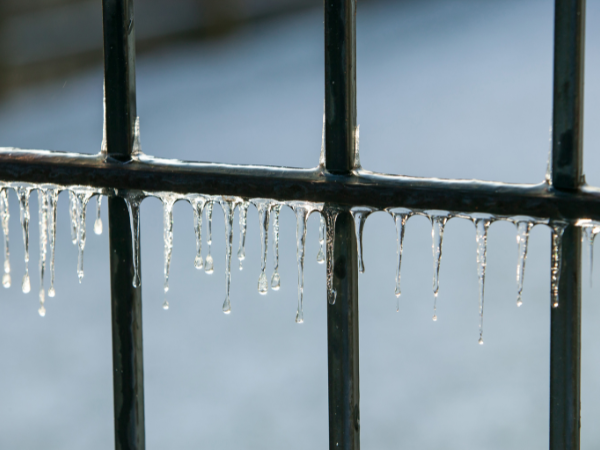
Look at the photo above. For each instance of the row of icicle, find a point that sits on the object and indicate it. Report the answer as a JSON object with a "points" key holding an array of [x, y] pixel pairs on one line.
{"points": [[203, 205]]}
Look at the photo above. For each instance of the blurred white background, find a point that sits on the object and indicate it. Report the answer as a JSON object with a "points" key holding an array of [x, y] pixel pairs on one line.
{"points": [[457, 89]]}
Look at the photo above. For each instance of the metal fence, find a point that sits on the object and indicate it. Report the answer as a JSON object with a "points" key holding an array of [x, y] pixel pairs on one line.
{"points": [[337, 182]]}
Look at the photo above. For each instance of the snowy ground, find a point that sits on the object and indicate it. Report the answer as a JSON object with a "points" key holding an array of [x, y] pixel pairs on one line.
{"points": [[448, 89]]}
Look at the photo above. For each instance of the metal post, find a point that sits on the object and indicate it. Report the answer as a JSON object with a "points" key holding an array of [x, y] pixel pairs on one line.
{"points": [[126, 301], [567, 174], [342, 316]]}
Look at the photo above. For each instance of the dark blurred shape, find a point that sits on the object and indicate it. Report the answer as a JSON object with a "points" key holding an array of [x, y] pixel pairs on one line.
{"points": [[42, 39]]}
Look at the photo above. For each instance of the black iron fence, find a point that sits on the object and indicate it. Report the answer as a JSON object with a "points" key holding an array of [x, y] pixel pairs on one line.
{"points": [[340, 182]]}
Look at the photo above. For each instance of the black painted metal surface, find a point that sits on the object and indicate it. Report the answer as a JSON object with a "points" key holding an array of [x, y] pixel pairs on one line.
{"points": [[567, 175], [126, 301]]}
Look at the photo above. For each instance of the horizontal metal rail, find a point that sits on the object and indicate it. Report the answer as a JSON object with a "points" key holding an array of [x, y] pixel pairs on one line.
{"points": [[316, 185]]}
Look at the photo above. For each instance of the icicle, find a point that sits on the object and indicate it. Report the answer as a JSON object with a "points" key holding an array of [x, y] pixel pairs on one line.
{"points": [[52, 201], [198, 201], [558, 229], [400, 216], [481, 226], [136, 151], [438, 222], [43, 227], [4, 216], [360, 215], [321, 254], [82, 197], [590, 229], [23, 194], [302, 211], [356, 141], [98, 222], [276, 279], [228, 206], [133, 200], [523, 229], [168, 201], [208, 263], [331, 213], [263, 207], [243, 222], [73, 216]]}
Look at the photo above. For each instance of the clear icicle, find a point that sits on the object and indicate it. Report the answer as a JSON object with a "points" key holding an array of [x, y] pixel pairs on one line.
{"points": [[198, 201], [52, 202], [360, 215], [302, 211], [228, 206], [523, 229], [136, 151], [98, 222], [590, 230], [331, 214], [82, 197], [43, 229], [321, 254], [208, 262], [276, 279], [243, 223], [133, 200], [558, 229], [168, 201], [438, 222], [4, 217], [481, 226], [357, 164], [263, 207], [73, 216], [23, 194], [400, 216]]}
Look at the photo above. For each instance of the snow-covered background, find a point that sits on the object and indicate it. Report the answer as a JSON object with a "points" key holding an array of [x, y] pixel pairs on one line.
{"points": [[456, 89]]}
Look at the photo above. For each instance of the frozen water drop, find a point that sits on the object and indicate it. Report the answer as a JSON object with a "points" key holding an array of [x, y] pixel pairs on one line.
{"points": [[165, 305], [51, 292], [7, 266], [26, 284], [434, 318], [198, 262], [6, 280], [42, 311], [227, 306], [263, 285], [519, 302], [275, 281], [208, 265], [299, 316], [320, 256], [480, 341], [98, 226]]}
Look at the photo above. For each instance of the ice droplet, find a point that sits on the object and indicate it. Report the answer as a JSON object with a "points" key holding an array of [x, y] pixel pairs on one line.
{"points": [[482, 225], [331, 213], [360, 214], [165, 305], [4, 218], [26, 284], [321, 254], [198, 201], [98, 222], [523, 229], [438, 222], [276, 279], [263, 207], [400, 216], [133, 200], [43, 232], [228, 205], [23, 195], [52, 201], [208, 262], [558, 228], [6, 280], [243, 223]]}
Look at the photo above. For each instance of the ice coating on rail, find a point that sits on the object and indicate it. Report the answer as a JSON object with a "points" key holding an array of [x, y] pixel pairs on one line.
{"points": [[198, 201], [82, 196], [400, 216], [208, 262], [263, 206], [331, 213], [302, 210], [98, 222], [558, 229], [275, 278], [168, 201], [481, 226], [228, 206], [133, 200], [23, 193], [360, 214], [4, 217], [523, 229], [438, 222], [243, 223], [321, 254], [322, 156], [43, 232], [52, 202]]}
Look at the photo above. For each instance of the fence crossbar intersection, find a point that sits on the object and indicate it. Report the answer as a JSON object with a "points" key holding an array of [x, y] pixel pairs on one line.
{"points": [[337, 182]]}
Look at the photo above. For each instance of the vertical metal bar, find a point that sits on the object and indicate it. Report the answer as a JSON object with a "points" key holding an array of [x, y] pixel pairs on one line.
{"points": [[567, 174], [126, 301], [342, 316]]}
